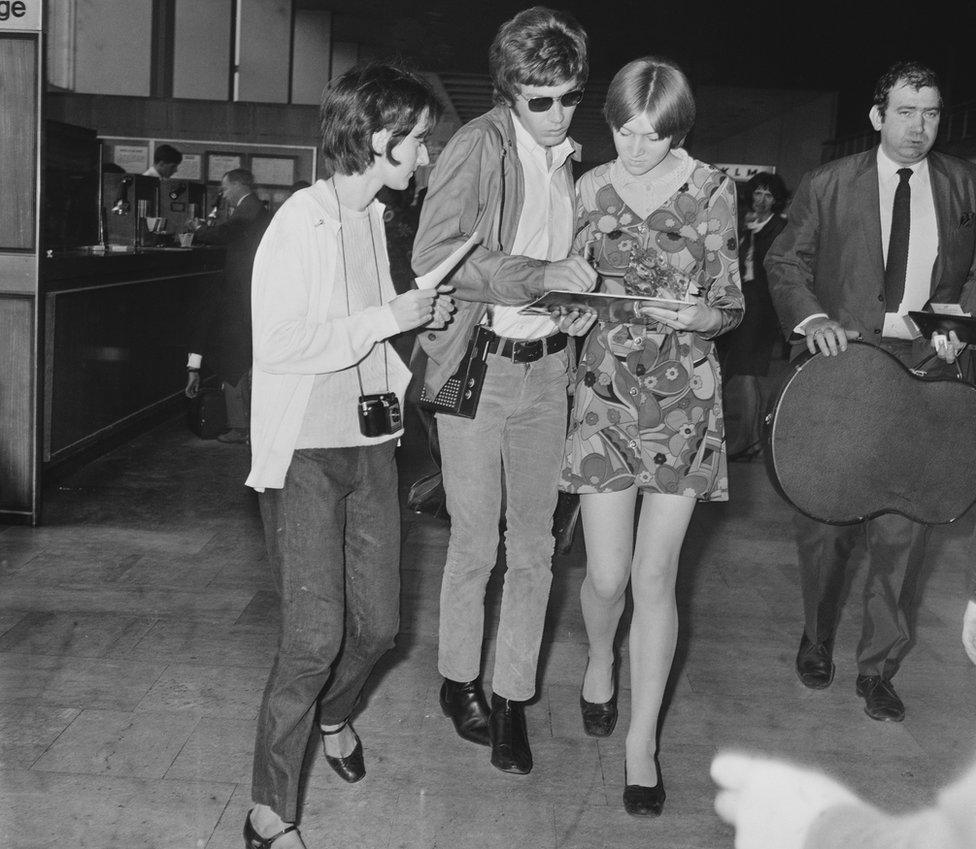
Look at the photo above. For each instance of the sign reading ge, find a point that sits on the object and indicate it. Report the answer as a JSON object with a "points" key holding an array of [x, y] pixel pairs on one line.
{"points": [[20, 14]]}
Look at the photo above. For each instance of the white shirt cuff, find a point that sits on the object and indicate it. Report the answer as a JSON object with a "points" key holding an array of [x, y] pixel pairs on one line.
{"points": [[801, 327]]}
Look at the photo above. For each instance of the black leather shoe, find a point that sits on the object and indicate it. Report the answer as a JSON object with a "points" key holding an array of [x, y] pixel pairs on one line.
{"points": [[253, 840], [510, 750], [599, 718], [814, 663], [881, 702], [465, 704], [640, 801], [352, 767]]}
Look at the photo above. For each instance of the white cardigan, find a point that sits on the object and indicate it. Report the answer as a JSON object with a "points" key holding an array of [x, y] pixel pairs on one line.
{"points": [[295, 338]]}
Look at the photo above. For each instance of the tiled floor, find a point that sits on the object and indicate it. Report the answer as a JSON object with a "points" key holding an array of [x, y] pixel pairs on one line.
{"points": [[138, 624]]}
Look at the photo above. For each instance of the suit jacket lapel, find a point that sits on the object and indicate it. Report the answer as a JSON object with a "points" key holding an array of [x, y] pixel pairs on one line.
{"points": [[867, 203], [942, 198]]}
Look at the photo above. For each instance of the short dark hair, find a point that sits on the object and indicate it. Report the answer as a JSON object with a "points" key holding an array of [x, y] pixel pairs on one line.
{"points": [[538, 47], [241, 176], [773, 183], [654, 87], [167, 153], [365, 100], [904, 72]]}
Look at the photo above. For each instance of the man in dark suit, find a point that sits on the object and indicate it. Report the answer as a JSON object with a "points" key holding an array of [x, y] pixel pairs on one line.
{"points": [[870, 237], [222, 326]]}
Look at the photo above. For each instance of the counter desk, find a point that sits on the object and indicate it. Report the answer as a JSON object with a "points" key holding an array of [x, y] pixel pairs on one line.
{"points": [[115, 330]]}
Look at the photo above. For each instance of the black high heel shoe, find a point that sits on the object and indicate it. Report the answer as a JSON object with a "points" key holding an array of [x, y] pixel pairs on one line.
{"points": [[253, 840], [352, 767], [640, 801], [600, 718]]}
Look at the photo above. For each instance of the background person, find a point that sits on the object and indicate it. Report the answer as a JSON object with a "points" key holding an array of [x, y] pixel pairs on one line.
{"points": [[222, 317], [324, 305], [870, 237], [166, 160], [746, 351], [647, 413]]}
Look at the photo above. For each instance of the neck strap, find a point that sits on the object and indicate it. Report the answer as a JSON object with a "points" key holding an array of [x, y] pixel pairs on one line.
{"points": [[345, 278]]}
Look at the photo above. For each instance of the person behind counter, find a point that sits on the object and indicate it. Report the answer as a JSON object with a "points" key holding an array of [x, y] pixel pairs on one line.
{"points": [[165, 163], [328, 390], [222, 320]]}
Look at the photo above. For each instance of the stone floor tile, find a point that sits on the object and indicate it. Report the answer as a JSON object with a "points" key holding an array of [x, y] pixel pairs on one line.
{"points": [[26, 732], [75, 681], [218, 749], [182, 641], [122, 743], [480, 820], [44, 809], [218, 605], [233, 692], [74, 633]]}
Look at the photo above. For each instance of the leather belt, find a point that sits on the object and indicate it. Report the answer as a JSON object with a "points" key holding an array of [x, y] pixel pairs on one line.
{"points": [[526, 350]]}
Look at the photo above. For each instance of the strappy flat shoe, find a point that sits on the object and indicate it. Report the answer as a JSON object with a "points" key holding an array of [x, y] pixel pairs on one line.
{"points": [[253, 840], [352, 767]]}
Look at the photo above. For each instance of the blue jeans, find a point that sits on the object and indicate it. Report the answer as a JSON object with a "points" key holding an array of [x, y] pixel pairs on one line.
{"points": [[517, 436], [333, 538]]}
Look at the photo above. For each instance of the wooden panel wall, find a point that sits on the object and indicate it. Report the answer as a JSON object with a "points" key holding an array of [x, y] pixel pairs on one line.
{"points": [[201, 45], [16, 403], [18, 130]]}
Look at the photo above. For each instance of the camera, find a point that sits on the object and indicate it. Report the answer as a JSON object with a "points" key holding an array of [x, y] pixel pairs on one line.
{"points": [[379, 414]]}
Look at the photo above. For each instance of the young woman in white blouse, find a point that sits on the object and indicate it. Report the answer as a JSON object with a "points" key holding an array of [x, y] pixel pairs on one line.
{"points": [[325, 422]]}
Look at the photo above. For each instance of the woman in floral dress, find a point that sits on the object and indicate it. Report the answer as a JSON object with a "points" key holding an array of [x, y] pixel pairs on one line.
{"points": [[647, 416]]}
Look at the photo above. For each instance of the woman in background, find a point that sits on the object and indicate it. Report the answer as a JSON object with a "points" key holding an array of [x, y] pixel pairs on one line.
{"points": [[746, 352]]}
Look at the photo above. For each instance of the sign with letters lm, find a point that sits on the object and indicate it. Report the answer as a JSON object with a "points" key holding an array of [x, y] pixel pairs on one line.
{"points": [[20, 15], [744, 172]]}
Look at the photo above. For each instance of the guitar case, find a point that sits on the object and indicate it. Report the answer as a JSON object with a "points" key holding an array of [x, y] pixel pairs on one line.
{"points": [[856, 435]]}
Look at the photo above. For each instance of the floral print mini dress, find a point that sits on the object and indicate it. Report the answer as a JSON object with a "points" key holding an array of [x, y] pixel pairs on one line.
{"points": [[647, 409]]}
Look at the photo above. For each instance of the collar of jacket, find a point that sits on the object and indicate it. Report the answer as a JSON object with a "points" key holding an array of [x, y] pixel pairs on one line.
{"points": [[324, 199], [504, 118], [869, 162]]}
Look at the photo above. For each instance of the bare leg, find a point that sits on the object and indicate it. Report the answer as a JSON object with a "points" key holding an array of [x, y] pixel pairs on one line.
{"points": [[608, 526], [654, 630]]}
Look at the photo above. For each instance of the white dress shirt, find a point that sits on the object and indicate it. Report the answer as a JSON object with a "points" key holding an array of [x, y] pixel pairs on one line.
{"points": [[923, 235], [545, 227], [923, 241]]}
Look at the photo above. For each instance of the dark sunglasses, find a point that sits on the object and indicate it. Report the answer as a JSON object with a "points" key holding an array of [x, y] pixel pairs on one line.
{"points": [[544, 104]]}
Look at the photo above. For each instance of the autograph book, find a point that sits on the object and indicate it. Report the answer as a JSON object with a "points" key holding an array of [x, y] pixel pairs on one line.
{"points": [[608, 307]]}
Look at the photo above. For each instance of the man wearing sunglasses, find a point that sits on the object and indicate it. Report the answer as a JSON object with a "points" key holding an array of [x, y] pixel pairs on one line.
{"points": [[507, 177]]}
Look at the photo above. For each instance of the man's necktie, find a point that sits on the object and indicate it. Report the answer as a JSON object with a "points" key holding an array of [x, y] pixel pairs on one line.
{"points": [[897, 266]]}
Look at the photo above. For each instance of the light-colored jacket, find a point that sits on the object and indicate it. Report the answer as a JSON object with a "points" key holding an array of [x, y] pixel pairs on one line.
{"points": [[476, 186], [297, 266]]}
